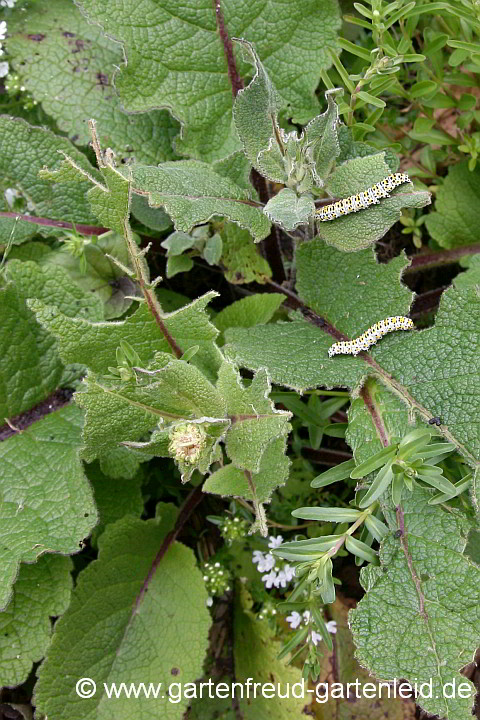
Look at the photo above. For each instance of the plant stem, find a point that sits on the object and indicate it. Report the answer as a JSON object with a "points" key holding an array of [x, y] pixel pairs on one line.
{"points": [[136, 256], [82, 229]]}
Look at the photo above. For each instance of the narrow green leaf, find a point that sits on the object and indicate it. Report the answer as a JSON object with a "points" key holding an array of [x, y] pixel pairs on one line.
{"points": [[374, 462], [413, 447], [357, 547], [412, 57], [363, 10], [401, 13], [376, 527], [437, 481], [460, 486], [318, 545], [434, 449], [327, 513], [336, 430], [435, 42], [334, 474], [327, 587], [397, 489], [378, 486], [415, 434], [425, 87], [357, 21], [299, 637], [355, 49], [371, 99], [321, 626], [469, 47]]}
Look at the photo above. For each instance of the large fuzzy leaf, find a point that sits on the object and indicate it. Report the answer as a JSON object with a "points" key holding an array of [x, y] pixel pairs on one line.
{"points": [[162, 48], [55, 35]]}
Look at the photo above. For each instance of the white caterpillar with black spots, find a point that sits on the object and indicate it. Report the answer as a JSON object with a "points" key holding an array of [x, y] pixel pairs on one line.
{"points": [[364, 199], [370, 336]]}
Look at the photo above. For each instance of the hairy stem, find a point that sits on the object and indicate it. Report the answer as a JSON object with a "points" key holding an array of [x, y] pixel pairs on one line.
{"points": [[270, 246], [81, 229], [235, 79], [149, 295]]}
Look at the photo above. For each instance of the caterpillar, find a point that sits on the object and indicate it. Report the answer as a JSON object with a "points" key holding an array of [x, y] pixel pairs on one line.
{"points": [[370, 336], [371, 196]]}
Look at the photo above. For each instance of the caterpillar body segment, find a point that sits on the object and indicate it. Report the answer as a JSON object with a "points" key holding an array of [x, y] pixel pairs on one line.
{"points": [[362, 200], [370, 336]]}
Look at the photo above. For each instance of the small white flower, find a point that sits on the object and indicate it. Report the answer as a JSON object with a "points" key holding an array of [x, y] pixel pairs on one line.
{"points": [[275, 541], [316, 637], [266, 564], [306, 617], [3, 69], [3, 30], [1, 49], [294, 619], [8, 3], [270, 579], [289, 572], [281, 580], [257, 556], [332, 626], [209, 602]]}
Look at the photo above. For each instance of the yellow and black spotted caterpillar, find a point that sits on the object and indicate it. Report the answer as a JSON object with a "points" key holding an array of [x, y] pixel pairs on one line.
{"points": [[370, 336], [371, 196]]}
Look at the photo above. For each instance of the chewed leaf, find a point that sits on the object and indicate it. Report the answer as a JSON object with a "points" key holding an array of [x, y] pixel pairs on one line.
{"points": [[192, 193]]}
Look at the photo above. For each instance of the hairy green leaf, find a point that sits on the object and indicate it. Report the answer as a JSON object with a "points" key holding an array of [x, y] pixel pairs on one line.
{"points": [[419, 619], [296, 353], [361, 229], [42, 591], [31, 368], [161, 48], [256, 656], [122, 616], [24, 150], [193, 193], [95, 344], [454, 221], [242, 259], [46, 502], [249, 311], [255, 116], [289, 210], [57, 35]]}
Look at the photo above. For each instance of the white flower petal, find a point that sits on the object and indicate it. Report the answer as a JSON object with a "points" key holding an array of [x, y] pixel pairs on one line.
{"points": [[269, 579], [294, 619], [3, 69], [275, 541], [332, 626], [257, 556]]}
